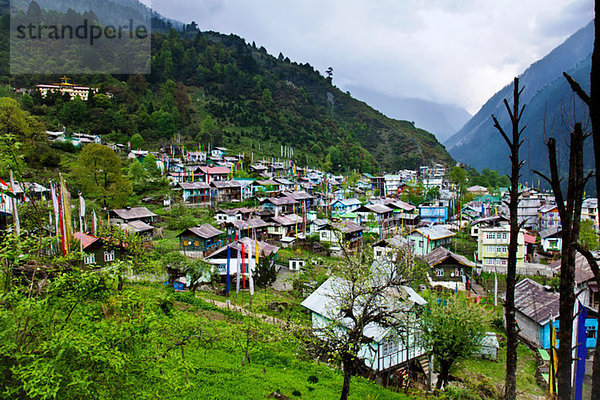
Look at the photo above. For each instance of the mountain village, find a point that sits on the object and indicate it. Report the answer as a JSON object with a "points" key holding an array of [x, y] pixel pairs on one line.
{"points": [[294, 217], [185, 214]]}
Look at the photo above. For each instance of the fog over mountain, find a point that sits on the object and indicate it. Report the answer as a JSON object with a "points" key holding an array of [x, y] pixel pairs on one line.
{"points": [[443, 120], [551, 107]]}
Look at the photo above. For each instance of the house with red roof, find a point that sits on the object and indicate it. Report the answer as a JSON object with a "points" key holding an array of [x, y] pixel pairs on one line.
{"points": [[214, 174], [98, 251]]}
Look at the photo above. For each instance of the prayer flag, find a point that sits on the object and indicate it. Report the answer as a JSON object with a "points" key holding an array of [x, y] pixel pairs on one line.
{"points": [[228, 271]]}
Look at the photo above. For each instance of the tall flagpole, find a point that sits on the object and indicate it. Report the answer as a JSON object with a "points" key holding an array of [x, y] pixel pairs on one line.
{"points": [[15, 211], [81, 212], [228, 274], [237, 275]]}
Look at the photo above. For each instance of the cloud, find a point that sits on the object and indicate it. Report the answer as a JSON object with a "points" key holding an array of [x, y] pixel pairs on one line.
{"points": [[455, 52]]}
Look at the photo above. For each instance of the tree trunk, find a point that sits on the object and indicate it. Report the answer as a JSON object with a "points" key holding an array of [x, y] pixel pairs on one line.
{"points": [[346, 385], [567, 270], [570, 216], [514, 143], [593, 103], [511, 280], [594, 107], [444, 374], [567, 300]]}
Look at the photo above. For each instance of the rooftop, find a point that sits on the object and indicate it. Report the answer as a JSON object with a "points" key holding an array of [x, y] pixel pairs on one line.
{"points": [[205, 231]]}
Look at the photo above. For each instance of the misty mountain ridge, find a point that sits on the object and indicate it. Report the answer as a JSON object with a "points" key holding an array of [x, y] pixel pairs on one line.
{"points": [[213, 88], [549, 106], [108, 12], [443, 120]]}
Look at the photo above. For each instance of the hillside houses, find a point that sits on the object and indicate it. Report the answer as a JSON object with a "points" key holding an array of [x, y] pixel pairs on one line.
{"points": [[200, 241], [134, 219], [387, 349], [425, 239], [448, 270], [492, 247], [196, 193], [246, 247]]}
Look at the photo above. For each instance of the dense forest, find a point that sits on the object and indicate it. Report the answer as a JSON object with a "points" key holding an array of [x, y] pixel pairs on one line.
{"points": [[206, 87]]}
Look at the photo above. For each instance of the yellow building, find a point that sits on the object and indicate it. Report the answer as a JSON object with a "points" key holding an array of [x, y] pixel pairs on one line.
{"points": [[492, 247], [65, 87], [589, 210]]}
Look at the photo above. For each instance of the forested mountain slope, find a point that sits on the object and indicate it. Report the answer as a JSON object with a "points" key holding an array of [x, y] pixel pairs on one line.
{"points": [[206, 87]]}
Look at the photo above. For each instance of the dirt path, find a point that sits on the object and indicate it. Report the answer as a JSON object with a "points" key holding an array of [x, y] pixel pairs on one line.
{"points": [[266, 318]]}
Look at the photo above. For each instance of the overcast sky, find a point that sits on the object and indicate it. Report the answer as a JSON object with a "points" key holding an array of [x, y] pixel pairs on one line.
{"points": [[448, 51]]}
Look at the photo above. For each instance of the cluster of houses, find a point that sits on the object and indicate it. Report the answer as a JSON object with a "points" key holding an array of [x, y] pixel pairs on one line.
{"points": [[287, 206]]}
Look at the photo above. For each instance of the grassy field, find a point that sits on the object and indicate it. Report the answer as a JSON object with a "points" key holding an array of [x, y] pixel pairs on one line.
{"points": [[486, 375], [218, 367]]}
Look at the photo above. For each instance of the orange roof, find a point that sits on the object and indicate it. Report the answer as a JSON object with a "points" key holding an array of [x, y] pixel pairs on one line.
{"points": [[86, 240]]}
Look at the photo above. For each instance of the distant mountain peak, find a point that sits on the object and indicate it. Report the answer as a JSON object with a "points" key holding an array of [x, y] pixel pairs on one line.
{"points": [[546, 96]]}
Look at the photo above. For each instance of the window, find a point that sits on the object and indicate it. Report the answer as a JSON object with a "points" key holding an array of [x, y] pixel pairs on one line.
{"points": [[89, 259], [186, 243], [197, 243], [590, 332], [420, 243], [439, 272], [388, 347], [504, 235], [109, 256]]}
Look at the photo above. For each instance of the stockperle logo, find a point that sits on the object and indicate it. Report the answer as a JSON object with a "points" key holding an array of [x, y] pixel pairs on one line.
{"points": [[115, 40]]}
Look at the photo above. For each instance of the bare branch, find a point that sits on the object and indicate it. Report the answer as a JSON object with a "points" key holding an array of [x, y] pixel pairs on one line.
{"points": [[497, 126], [577, 89]]}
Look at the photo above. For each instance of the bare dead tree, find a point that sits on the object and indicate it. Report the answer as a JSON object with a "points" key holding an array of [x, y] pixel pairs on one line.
{"points": [[569, 209], [593, 103], [514, 143]]}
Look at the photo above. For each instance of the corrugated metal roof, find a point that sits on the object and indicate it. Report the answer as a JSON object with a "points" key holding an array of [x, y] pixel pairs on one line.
{"points": [[134, 213], [205, 231], [348, 226], [434, 232], [535, 301], [253, 223], [376, 208], [194, 185], [298, 195], [349, 202], [226, 184], [325, 302], [138, 226], [394, 241], [555, 231], [440, 254], [281, 201], [583, 271]]}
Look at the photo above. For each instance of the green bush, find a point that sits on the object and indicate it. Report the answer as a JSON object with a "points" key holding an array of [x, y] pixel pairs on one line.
{"points": [[456, 393]]}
